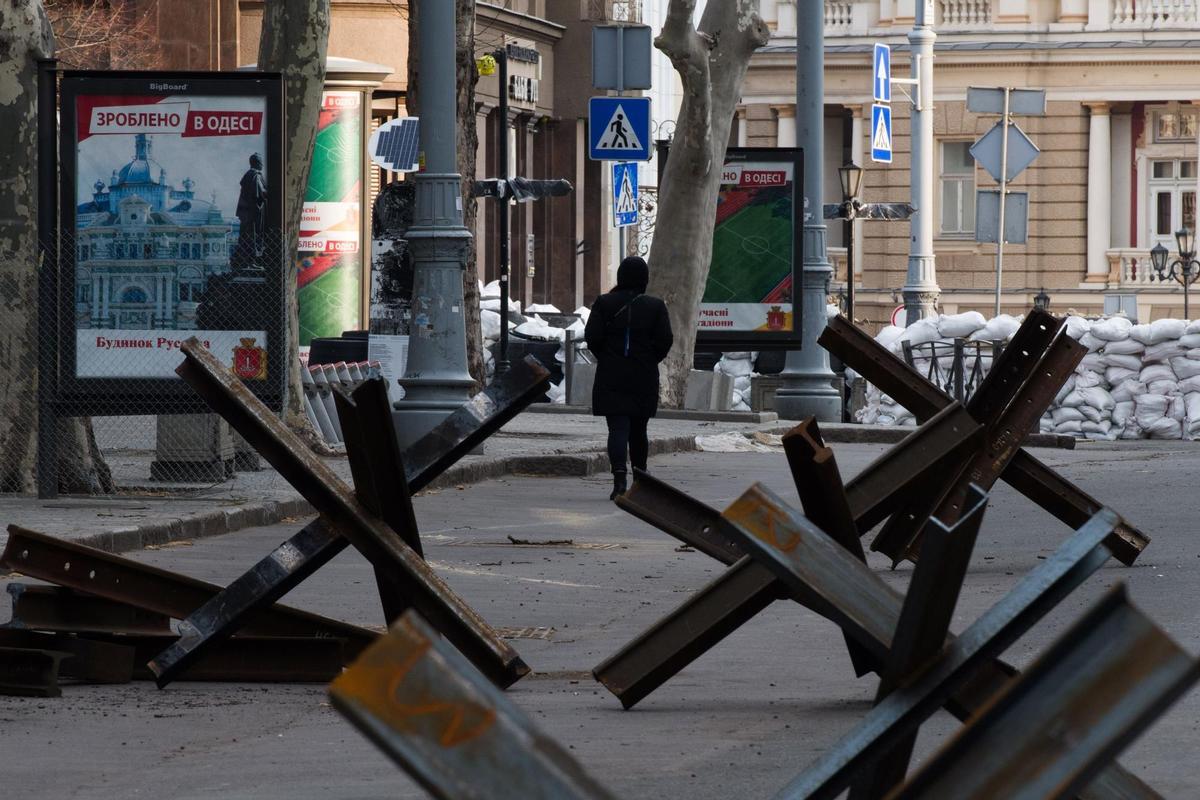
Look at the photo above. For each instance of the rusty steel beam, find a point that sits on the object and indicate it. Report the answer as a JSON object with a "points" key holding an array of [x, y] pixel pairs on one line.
{"points": [[248, 659], [57, 609], [344, 515], [923, 627], [1054, 494], [95, 572], [1061, 723], [1007, 426], [719, 608], [87, 661], [424, 705], [30, 673], [963, 679]]}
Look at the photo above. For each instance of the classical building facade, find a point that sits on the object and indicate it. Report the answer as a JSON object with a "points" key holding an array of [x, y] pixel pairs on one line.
{"points": [[1117, 171], [146, 249]]}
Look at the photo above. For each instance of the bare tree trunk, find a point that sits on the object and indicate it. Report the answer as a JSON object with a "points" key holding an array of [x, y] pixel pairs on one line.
{"points": [[467, 144], [712, 64], [294, 42], [25, 37]]}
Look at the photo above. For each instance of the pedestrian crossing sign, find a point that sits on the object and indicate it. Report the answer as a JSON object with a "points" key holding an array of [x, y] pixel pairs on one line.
{"points": [[619, 129], [881, 134], [625, 194]]}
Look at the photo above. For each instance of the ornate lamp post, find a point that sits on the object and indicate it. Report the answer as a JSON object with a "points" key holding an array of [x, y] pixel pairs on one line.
{"points": [[850, 175], [1183, 270], [1041, 301]]}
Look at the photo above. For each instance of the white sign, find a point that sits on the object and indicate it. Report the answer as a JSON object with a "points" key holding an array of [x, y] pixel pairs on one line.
{"points": [[625, 195], [106, 353], [392, 354], [881, 73]]}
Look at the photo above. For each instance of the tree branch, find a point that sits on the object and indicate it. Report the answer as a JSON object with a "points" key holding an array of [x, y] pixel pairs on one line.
{"points": [[688, 50]]}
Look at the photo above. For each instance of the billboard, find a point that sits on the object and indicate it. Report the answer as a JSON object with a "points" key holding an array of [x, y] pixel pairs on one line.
{"points": [[329, 273], [171, 221], [752, 296]]}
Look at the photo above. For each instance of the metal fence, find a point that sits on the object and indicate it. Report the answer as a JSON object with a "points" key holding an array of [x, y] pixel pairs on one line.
{"points": [[131, 286], [957, 367]]}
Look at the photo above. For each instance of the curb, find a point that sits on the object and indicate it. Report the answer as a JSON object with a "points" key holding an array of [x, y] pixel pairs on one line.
{"points": [[231, 520], [848, 433]]}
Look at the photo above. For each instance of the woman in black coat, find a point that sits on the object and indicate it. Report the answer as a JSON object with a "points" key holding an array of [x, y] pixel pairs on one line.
{"points": [[629, 332]]}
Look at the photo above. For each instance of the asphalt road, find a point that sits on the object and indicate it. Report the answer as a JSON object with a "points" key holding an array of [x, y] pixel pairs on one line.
{"points": [[739, 722]]}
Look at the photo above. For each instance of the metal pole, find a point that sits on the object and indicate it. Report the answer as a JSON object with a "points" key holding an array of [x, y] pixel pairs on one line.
{"points": [[921, 289], [436, 381], [48, 277], [807, 381], [1003, 198], [850, 222], [568, 365], [502, 363]]}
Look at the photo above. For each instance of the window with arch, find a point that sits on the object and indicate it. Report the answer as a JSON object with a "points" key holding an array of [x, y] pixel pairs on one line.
{"points": [[133, 295]]}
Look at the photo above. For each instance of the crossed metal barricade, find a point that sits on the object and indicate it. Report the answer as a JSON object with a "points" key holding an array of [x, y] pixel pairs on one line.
{"points": [[816, 559], [273, 642]]}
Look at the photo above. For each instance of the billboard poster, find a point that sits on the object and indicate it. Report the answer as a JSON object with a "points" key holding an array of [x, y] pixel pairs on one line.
{"points": [[329, 281], [171, 229], [752, 294]]}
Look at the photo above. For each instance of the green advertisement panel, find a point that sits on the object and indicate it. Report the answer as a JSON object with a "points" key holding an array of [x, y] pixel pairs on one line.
{"points": [[329, 284]]}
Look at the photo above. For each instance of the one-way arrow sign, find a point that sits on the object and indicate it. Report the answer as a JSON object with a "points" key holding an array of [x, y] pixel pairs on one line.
{"points": [[881, 73]]}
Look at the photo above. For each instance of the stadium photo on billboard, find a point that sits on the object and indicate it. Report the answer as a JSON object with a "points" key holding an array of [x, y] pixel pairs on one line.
{"points": [[751, 298]]}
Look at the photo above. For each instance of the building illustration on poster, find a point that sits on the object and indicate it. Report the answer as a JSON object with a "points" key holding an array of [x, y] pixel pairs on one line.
{"points": [[750, 281], [170, 222]]}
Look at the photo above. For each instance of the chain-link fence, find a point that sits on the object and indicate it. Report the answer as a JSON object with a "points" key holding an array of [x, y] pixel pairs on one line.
{"points": [[138, 277]]}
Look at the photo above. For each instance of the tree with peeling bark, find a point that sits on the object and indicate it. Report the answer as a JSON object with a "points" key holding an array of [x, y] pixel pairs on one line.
{"points": [[294, 42], [468, 143], [25, 38], [712, 61]]}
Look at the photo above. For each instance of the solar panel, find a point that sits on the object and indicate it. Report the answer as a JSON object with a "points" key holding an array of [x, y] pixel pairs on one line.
{"points": [[396, 143]]}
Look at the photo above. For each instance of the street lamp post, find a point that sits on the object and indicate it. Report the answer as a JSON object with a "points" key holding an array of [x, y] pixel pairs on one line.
{"points": [[1183, 270], [850, 175], [436, 381], [1041, 300]]}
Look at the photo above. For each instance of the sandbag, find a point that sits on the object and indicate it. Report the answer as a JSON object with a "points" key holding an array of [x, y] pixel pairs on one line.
{"points": [[1113, 329], [1162, 351], [1162, 387], [1140, 333], [1065, 414], [1091, 342], [920, 332], [1128, 389], [1073, 400], [1190, 384], [1191, 403], [1097, 397], [1069, 427], [1092, 414], [1194, 353], [542, 308], [1087, 378], [1164, 428], [1162, 330], [1093, 362], [1111, 436], [489, 324], [1122, 412], [1102, 427], [1176, 407], [1190, 340], [1156, 372], [1066, 389], [1116, 375], [1149, 408], [1192, 327], [997, 328], [736, 368], [1124, 347], [1118, 360], [959, 326], [1077, 326], [889, 336], [1131, 431], [1185, 367]]}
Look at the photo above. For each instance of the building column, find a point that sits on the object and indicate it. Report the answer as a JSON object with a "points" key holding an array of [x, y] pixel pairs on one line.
{"points": [[105, 284], [743, 135], [1099, 191], [169, 299], [785, 126], [857, 156], [95, 298]]}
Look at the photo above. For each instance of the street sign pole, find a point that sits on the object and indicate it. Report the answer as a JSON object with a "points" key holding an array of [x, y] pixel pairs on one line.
{"points": [[921, 290], [1003, 199]]}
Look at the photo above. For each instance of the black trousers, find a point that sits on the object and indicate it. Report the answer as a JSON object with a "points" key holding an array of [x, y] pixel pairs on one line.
{"points": [[627, 434]]}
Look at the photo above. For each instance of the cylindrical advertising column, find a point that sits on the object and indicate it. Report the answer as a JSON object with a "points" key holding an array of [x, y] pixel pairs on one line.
{"points": [[333, 259]]}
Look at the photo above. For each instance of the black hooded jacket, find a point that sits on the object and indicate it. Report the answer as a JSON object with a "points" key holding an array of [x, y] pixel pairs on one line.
{"points": [[629, 332]]}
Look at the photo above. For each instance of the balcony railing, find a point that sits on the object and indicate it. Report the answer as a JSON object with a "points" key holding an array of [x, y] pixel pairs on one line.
{"points": [[838, 18], [1155, 13], [1130, 267], [965, 13]]}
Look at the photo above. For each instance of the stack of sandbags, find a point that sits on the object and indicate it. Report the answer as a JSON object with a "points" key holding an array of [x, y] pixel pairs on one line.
{"points": [[740, 367]]}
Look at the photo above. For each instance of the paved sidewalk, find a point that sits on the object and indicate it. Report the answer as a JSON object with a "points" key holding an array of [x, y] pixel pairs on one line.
{"points": [[531, 444]]}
